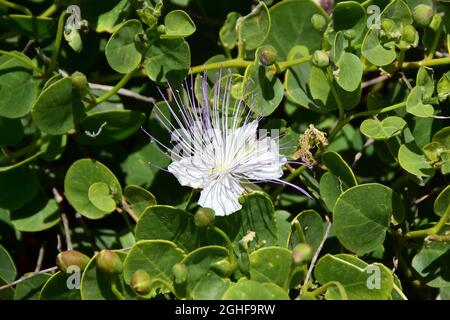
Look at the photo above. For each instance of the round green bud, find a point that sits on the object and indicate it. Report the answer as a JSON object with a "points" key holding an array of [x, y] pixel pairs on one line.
{"points": [[267, 55], [204, 217], [388, 25], [223, 267], [78, 80], [320, 59], [161, 29], [109, 262], [319, 22], [409, 34], [422, 15], [180, 273], [141, 282], [302, 253], [349, 34], [70, 258]]}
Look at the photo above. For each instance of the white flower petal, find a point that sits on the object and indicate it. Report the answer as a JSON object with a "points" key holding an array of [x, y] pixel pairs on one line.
{"points": [[191, 171], [222, 196]]}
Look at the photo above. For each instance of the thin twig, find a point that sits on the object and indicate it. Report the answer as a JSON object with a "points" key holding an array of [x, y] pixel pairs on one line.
{"points": [[59, 199], [28, 276], [87, 231], [373, 81], [40, 258], [128, 209], [123, 92], [314, 259]]}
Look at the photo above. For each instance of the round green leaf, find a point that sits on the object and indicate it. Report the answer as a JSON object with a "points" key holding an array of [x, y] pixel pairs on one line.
{"points": [[331, 187], [253, 290], [58, 108], [412, 159], [254, 28], [398, 11], [287, 30], [355, 276], [337, 166], [362, 214], [228, 33], [178, 25], [111, 126], [37, 215], [18, 91], [415, 103], [312, 227], [121, 51], [349, 72], [442, 202], [349, 15], [139, 199], [56, 288], [210, 287], [8, 271], [30, 289], [99, 195], [374, 51], [382, 130], [81, 175], [431, 263], [264, 91], [168, 60]]}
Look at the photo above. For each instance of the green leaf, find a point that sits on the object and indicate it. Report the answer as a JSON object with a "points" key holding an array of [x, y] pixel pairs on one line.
{"points": [[169, 223], [54, 148], [350, 15], [443, 86], [81, 175], [119, 125], [199, 262], [18, 186], [121, 51], [18, 91], [287, 30], [284, 227], [37, 27], [399, 12], [56, 288], [139, 199], [382, 130], [349, 73], [253, 290], [442, 202], [37, 215], [254, 27], [99, 195], [114, 12], [431, 263], [358, 278], [278, 271], [210, 287], [257, 214], [414, 161], [415, 103], [228, 33], [362, 215], [337, 166], [156, 257], [6, 294], [374, 51], [8, 271], [30, 289], [264, 91], [312, 227], [58, 108], [168, 61], [178, 25], [331, 187], [11, 131]]}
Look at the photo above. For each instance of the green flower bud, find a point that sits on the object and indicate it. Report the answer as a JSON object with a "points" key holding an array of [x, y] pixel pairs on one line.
{"points": [[69, 258], [422, 15], [109, 262], [141, 282], [349, 34], [319, 22], [267, 55], [180, 273], [302, 253], [320, 59], [388, 26], [78, 80], [161, 29], [204, 217], [409, 34], [223, 267]]}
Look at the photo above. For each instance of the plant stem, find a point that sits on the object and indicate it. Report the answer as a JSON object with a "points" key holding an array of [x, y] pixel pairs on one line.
{"points": [[113, 91], [329, 76], [16, 7], [426, 63], [342, 123], [49, 11], [433, 230], [115, 290], [223, 64], [223, 235], [57, 47], [28, 276], [289, 63], [435, 43]]}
